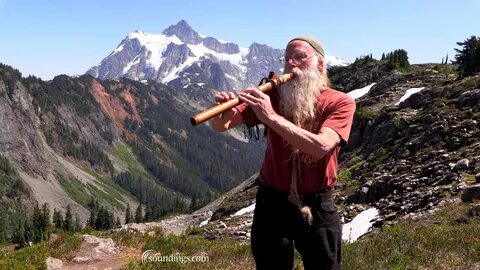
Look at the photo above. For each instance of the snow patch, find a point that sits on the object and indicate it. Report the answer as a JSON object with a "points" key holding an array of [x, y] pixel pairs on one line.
{"points": [[155, 44], [358, 93], [205, 222], [244, 211], [200, 50], [135, 61], [359, 225], [409, 92], [118, 49]]}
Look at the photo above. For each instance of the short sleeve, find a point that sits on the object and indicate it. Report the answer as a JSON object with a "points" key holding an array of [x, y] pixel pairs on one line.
{"points": [[339, 116]]}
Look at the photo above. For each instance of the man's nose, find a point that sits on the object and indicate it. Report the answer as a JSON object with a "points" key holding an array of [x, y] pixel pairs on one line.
{"points": [[290, 64]]}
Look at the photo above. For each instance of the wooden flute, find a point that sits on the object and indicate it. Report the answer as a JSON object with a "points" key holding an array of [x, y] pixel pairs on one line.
{"points": [[272, 83]]}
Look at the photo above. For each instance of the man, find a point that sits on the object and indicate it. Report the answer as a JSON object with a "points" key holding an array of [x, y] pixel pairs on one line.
{"points": [[307, 122]]}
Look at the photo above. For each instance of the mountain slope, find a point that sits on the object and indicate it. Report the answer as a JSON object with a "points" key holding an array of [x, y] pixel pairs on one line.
{"points": [[121, 142]]}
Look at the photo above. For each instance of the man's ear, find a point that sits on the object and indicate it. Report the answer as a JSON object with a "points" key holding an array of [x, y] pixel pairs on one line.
{"points": [[320, 64]]}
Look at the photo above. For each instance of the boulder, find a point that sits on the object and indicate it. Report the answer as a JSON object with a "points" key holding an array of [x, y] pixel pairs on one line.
{"points": [[471, 193]]}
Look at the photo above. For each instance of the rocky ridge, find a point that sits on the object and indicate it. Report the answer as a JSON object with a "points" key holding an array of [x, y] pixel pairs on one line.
{"points": [[406, 160]]}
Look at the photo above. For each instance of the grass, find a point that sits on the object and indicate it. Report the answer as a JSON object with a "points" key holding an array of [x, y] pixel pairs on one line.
{"points": [[469, 178], [366, 112], [112, 190], [345, 177], [123, 153], [81, 193], [35, 257], [74, 188], [435, 244]]}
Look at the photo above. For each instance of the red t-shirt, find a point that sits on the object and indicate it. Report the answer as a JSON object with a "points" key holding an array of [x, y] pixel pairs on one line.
{"points": [[315, 175]]}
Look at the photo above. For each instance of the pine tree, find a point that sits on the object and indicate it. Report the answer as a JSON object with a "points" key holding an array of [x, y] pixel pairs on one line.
{"points": [[139, 214], [468, 58], [92, 219], [78, 223], [57, 219], [68, 222], [128, 215]]}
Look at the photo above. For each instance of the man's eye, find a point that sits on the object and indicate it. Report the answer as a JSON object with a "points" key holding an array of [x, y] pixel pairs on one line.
{"points": [[299, 56]]}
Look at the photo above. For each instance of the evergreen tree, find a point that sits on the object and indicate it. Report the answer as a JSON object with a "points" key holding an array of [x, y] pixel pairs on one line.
{"points": [[92, 204], [468, 58], [139, 214], [128, 215], [68, 222], [78, 223], [19, 235], [57, 219], [92, 219]]}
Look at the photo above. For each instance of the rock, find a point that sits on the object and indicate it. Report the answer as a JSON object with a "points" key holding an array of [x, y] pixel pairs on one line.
{"points": [[477, 178], [448, 178], [471, 193], [54, 264], [461, 165], [105, 245], [79, 259]]}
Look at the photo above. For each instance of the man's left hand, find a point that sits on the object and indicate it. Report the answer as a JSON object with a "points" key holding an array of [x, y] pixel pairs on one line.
{"points": [[259, 102]]}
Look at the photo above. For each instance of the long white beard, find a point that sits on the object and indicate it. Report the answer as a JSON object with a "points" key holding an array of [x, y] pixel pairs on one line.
{"points": [[298, 97]]}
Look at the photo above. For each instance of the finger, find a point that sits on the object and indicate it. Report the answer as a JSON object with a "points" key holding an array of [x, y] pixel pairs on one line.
{"points": [[231, 95], [219, 97], [244, 99], [254, 91], [249, 97]]}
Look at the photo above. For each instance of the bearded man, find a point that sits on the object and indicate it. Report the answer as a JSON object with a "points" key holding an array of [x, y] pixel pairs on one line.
{"points": [[307, 123]]}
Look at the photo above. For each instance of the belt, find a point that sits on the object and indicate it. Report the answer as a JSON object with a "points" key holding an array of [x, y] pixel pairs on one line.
{"points": [[308, 198], [325, 195]]}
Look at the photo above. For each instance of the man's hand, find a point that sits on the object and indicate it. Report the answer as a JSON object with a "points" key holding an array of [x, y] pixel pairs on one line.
{"points": [[227, 119], [222, 97], [260, 104]]}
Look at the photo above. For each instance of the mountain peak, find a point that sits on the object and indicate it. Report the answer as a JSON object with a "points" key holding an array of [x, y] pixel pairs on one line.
{"points": [[184, 32]]}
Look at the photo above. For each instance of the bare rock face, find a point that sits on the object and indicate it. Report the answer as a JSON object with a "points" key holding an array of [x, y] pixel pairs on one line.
{"points": [[19, 139]]}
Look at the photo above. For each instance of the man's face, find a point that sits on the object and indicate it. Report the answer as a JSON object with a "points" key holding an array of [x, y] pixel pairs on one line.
{"points": [[299, 54]]}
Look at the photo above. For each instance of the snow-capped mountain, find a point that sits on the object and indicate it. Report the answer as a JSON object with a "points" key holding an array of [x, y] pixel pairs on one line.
{"points": [[181, 57]]}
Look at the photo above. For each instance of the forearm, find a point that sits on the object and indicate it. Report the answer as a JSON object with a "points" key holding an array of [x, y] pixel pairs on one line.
{"points": [[315, 145]]}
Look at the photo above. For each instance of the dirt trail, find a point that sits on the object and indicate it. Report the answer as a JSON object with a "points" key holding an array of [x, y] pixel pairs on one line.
{"points": [[95, 253]]}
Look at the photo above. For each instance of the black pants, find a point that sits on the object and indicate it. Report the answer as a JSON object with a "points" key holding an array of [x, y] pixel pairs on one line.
{"points": [[278, 227]]}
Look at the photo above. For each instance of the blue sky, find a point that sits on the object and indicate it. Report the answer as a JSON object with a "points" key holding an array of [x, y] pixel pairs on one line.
{"points": [[48, 38]]}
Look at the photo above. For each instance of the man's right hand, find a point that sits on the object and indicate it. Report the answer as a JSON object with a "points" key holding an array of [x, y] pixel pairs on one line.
{"points": [[221, 97], [229, 118]]}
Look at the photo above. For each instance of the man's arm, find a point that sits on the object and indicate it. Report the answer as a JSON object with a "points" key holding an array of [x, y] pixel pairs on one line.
{"points": [[228, 119], [315, 145]]}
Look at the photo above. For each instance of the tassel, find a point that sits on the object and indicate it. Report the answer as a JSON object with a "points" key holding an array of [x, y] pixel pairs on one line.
{"points": [[307, 214]]}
